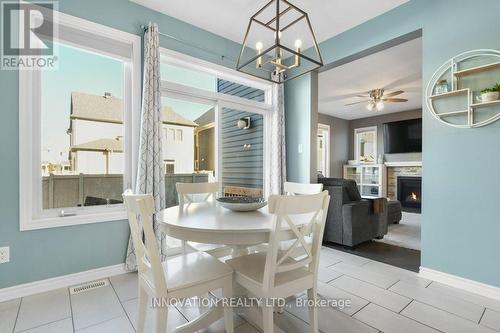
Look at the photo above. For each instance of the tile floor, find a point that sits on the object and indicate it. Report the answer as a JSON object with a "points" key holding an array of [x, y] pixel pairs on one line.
{"points": [[383, 299]]}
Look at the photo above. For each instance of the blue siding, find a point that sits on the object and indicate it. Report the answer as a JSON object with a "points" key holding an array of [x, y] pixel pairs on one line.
{"points": [[243, 167]]}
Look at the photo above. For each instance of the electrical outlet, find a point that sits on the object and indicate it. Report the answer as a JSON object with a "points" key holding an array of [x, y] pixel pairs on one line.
{"points": [[4, 254]]}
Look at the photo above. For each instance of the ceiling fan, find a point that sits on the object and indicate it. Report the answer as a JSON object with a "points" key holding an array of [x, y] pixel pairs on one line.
{"points": [[377, 98]]}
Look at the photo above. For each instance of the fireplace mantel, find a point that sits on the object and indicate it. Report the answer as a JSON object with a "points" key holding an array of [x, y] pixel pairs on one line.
{"points": [[404, 164]]}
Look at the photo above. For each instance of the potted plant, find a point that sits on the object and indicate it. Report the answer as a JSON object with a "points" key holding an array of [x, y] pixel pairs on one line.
{"points": [[489, 94]]}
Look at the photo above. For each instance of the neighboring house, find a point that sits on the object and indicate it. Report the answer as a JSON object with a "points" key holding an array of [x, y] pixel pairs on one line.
{"points": [[204, 153], [96, 136]]}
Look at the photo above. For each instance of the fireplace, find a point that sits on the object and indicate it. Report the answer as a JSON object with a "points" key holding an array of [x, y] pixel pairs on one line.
{"points": [[410, 193]]}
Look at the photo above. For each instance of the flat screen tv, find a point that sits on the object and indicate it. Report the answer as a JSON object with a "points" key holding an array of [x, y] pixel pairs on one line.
{"points": [[403, 136]]}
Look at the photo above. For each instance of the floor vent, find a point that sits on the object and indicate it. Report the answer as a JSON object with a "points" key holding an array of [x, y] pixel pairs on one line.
{"points": [[81, 288]]}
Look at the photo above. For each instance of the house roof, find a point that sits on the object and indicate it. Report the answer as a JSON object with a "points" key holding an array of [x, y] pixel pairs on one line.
{"points": [[206, 118], [100, 145], [110, 110]]}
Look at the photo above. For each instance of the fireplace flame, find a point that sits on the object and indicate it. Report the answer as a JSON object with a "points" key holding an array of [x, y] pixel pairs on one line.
{"points": [[413, 196]]}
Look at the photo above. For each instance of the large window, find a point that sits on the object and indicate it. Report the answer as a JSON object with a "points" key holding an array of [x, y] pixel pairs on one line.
{"points": [[227, 115], [76, 127]]}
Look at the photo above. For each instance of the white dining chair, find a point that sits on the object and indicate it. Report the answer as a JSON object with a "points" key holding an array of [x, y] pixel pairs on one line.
{"points": [[189, 193], [292, 188], [181, 277], [278, 274]]}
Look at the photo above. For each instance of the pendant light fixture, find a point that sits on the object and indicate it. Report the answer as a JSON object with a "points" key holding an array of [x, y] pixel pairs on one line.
{"points": [[279, 43]]}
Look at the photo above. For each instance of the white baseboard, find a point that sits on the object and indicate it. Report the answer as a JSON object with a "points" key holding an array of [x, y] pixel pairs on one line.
{"points": [[59, 282], [461, 283]]}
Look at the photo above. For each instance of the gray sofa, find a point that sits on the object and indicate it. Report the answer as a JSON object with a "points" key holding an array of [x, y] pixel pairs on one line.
{"points": [[351, 220]]}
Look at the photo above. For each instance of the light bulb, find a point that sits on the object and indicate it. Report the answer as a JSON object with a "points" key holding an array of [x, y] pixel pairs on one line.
{"points": [[259, 46], [298, 44], [380, 105], [370, 106]]}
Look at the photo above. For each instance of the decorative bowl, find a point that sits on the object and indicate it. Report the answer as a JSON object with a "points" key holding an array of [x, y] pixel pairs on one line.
{"points": [[242, 204]]}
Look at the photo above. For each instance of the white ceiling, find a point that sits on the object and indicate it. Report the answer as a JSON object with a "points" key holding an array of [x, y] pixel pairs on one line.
{"points": [[229, 18], [397, 68]]}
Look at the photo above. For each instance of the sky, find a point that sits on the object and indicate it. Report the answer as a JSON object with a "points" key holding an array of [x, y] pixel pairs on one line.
{"points": [[81, 71], [78, 71]]}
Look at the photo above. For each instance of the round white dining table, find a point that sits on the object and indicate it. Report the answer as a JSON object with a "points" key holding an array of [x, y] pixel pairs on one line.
{"points": [[213, 224]]}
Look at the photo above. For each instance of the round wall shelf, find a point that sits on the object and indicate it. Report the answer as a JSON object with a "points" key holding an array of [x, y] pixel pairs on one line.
{"points": [[463, 77]]}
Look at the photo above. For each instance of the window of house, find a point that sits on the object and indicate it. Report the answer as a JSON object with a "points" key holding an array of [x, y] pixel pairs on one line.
{"points": [[77, 127], [178, 135], [211, 100], [171, 135]]}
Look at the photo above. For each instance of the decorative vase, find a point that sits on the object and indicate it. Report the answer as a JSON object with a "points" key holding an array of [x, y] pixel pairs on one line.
{"points": [[488, 97]]}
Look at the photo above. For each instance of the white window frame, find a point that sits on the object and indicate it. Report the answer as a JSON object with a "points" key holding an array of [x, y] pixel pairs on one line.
{"points": [[32, 216], [221, 100], [361, 130]]}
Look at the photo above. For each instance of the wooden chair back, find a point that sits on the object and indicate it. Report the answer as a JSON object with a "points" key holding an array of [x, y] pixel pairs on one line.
{"points": [[300, 188], [140, 208], [311, 207], [186, 192]]}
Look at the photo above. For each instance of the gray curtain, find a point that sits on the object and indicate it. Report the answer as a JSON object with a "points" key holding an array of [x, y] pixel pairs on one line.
{"points": [[278, 148], [150, 175]]}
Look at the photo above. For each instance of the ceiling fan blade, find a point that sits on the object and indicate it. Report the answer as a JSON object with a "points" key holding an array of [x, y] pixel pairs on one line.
{"points": [[392, 100], [394, 93], [357, 103], [363, 96]]}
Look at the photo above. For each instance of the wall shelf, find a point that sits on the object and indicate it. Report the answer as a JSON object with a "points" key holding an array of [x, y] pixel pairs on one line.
{"points": [[468, 88], [477, 69], [450, 94], [485, 104], [452, 113]]}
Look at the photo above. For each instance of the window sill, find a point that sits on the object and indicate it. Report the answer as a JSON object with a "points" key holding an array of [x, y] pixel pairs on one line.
{"points": [[54, 222]]}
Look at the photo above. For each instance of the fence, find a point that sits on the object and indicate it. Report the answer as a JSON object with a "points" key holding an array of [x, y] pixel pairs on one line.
{"points": [[73, 190]]}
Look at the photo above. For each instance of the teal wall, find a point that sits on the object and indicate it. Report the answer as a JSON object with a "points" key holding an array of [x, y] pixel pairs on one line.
{"points": [[461, 178], [298, 110], [42, 254]]}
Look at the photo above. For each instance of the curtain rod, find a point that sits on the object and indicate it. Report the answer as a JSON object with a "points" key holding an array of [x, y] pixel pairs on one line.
{"points": [[145, 28]]}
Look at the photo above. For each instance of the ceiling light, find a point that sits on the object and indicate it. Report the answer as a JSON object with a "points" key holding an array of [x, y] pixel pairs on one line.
{"points": [[380, 105], [370, 106], [284, 59]]}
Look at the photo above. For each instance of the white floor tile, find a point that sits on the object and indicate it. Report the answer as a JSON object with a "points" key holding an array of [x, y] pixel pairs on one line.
{"points": [[448, 303], [336, 256], [120, 324], [125, 285], [332, 293], [363, 274], [326, 259], [331, 320], [491, 319], [61, 326], [8, 314], [396, 272], [44, 308], [326, 274], [289, 323], [174, 317], [246, 328], [442, 320], [390, 322], [192, 312], [95, 306], [465, 295], [371, 293]]}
